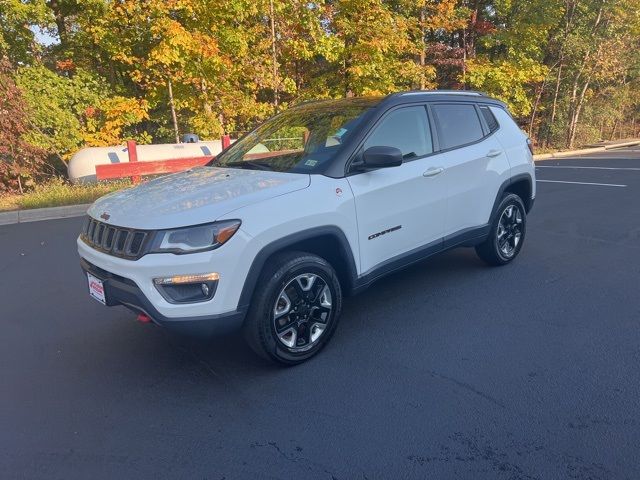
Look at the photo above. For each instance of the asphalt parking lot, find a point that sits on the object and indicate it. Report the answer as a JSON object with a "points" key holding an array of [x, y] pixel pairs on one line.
{"points": [[448, 370]]}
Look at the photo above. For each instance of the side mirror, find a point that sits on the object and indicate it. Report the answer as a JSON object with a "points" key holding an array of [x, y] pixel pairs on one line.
{"points": [[380, 157]]}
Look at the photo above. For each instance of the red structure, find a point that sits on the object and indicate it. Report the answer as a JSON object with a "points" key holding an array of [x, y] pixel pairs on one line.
{"points": [[136, 169], [132, 151]]}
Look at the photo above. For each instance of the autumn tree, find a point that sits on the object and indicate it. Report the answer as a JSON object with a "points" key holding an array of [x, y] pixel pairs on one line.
{"points": [[20, 161]]}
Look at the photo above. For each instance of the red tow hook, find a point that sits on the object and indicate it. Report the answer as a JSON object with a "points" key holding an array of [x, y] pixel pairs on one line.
{"points": [[142, 318]]}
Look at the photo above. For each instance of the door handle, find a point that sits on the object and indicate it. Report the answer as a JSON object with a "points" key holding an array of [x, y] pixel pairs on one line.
{"points": [[493, 153], [432, 172]]}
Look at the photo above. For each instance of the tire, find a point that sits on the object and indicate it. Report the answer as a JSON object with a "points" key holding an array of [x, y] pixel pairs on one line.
{"points": [[496, 249], [295, 308]]}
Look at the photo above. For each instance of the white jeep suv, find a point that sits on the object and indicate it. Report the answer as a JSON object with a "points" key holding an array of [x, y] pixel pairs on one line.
{"points": [[315, 204]]}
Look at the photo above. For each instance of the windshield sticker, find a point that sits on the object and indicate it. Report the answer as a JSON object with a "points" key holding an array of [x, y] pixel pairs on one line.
{"points": [[311, 163], [340, 132]]}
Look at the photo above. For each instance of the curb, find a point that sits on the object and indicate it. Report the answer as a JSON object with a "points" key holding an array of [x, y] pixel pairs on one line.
{"points": [[569, 153], [38, 214]]}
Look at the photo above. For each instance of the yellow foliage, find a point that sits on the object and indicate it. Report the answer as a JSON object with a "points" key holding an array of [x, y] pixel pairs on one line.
{"points": [[105, 125], [507, 80]]}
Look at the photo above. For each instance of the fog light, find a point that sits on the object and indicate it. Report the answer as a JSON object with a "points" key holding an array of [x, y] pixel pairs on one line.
{"points": [[178, 279], [187, 288]]}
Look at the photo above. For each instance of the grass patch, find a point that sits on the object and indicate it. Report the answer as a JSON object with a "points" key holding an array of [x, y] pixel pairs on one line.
{"points": [[57, 192]]}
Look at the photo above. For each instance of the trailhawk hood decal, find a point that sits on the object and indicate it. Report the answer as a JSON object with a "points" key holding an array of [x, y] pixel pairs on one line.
{"points": [[193, 197]]}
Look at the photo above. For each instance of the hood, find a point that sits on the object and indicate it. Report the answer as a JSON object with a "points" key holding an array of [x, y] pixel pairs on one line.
{"points": [[193, 197]]}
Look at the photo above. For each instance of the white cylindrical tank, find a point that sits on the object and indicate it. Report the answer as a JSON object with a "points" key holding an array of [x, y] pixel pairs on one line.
{"points": [[82, 166]]}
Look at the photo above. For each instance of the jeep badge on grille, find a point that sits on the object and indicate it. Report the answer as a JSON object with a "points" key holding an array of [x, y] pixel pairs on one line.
{"points": [[105, 216]]}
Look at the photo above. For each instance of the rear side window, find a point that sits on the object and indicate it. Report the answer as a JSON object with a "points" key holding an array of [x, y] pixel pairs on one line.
{"points": [[406, 129], [458, 124], [492, 123]]}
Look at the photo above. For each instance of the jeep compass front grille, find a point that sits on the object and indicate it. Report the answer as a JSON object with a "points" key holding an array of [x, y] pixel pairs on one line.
{"points": [[117, 241]]}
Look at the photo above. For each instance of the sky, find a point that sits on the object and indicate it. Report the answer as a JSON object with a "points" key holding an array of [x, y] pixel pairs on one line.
{"points": [[44, 37]]}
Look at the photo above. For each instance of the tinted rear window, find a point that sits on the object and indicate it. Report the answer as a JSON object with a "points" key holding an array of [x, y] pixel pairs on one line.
{"points": [[492, 123], [458, 124]]}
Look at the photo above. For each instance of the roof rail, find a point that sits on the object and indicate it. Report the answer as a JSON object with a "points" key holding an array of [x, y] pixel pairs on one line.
{"points": [[443, 92]]}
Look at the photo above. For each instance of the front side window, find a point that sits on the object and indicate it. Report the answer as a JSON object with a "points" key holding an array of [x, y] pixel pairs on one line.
{"points": [[406, 129], [458, 124], [300, 140]]}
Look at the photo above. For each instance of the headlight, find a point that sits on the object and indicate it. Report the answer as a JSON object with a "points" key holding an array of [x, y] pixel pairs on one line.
{"points": [[194, 239]]}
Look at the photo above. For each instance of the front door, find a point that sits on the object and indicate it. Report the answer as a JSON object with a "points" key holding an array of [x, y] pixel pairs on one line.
{"points": [[400, 209]]}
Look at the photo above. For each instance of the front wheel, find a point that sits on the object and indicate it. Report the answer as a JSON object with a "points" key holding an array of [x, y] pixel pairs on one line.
{"points": [[295, 309], [507, 232]]}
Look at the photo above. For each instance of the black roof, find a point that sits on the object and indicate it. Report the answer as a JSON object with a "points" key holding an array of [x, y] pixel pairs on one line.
{"points": [[412, 96], [440, 96]]}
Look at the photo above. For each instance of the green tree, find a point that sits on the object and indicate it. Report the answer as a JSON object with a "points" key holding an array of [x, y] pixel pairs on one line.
{"points": [[17, 39]]}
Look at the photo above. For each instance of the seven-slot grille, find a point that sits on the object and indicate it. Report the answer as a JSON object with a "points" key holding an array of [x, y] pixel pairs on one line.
{"points": [[117, 241]]}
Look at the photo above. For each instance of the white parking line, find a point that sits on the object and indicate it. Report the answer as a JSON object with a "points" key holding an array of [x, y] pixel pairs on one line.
{"points": [[583, 183], [589, 168], [586, 158]]}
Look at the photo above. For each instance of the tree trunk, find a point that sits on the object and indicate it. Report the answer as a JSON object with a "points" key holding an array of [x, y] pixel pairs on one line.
{"points": [[554, 106], [535, 107], [423, 48], [575, 117], [173, 111], [346, 65], [60, 22], [204, 88], [613, 132], [464, 58], [274, 57], [470, 43]]}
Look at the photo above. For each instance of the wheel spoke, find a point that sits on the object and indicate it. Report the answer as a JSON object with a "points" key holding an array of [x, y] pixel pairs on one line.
{"points": [[307, 334], [284, 323], [289, 337], [315, 331], [320, 314], [294, 287], [283, 305], [305, 282], [321, 294], [316, 292], [516, 239], [325, 298]]}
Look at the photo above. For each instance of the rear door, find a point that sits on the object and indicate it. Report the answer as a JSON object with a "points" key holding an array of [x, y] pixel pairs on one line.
{"points": [[474, 161], [399, 208]]}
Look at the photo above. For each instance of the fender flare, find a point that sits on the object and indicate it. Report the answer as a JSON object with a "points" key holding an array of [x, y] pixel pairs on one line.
{"points": [[282, 243], [506, 184]]}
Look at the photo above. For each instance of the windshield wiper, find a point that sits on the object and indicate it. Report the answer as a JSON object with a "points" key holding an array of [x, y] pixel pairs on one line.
{"points": [[248, 165]]}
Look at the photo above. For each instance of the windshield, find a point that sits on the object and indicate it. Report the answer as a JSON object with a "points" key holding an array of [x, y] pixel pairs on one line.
{"points": [[300, 140]]}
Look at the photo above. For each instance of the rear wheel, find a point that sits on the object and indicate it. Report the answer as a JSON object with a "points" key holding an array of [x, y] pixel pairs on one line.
{"points": [[295, 309], [507, 232]]}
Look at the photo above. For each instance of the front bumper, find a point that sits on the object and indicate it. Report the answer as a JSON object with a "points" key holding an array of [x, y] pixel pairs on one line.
{"points": [[123, 291], [131, 283]]}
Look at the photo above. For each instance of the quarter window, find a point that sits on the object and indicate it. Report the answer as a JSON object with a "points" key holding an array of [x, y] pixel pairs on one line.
{"points": [[406, 129], [458, 124], [490, 118]]}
